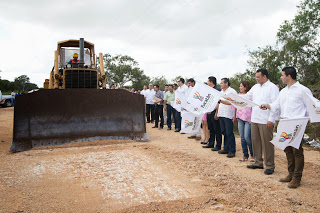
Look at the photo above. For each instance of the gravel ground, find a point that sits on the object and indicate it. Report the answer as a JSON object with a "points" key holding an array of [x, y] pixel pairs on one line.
{"points": [[168, 174]]}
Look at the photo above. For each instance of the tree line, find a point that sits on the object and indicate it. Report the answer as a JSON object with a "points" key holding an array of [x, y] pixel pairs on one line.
{"points": [[19, 85], [123, 71], [297, 44]]}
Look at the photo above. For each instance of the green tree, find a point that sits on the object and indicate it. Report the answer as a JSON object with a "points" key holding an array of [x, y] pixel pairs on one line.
{"points": [[123, 69], [139, 79], [268, 58], [30, 86], [239, 77], [6, 86], [176, 79], [161, 81], [300, 44], [21, 82]]}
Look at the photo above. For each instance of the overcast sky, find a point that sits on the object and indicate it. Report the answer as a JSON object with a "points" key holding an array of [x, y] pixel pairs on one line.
{"points": [[196, 38]]}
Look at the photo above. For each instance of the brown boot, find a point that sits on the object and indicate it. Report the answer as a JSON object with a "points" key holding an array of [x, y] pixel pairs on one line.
{"points": [[286, 179], [294, 183]]}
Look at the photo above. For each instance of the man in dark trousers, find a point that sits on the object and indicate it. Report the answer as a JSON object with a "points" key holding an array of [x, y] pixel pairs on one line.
{"points": [[158, 107], [213, 122]]}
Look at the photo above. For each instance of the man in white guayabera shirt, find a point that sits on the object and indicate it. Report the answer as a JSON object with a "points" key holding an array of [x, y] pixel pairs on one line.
{"points": [[292, 104], [150, 107], [262, 121], [225, 113], [184, 90]]}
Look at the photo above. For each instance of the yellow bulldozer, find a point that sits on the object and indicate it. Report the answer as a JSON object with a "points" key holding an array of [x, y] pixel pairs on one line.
{"points": [[75, 105]]}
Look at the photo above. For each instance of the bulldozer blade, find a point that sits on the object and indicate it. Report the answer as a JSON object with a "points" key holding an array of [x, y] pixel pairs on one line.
{"points": [[55, 117]]}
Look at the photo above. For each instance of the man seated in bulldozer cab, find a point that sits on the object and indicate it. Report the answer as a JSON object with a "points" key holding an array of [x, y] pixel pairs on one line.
{"points": [[74, 60]]}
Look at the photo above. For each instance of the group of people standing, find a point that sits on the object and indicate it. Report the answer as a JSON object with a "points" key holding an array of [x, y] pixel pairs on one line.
{"points": [[159, 105], [255, 125]]}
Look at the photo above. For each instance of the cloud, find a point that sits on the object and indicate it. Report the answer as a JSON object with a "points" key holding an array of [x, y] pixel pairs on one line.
{"points": [[183, 37]]}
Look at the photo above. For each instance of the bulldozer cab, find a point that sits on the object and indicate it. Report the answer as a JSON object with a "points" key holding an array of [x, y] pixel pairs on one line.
{"points": [[80, 74], [67, 48]]}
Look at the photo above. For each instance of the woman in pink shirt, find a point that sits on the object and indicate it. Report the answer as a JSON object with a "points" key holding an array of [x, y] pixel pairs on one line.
{"points": [[244, 124]]}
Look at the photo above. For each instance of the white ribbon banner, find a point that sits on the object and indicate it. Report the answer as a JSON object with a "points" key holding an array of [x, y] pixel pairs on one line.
{"points": [[240, 102], [190, 123], [313, 107], [290, 132], [180, 101]]}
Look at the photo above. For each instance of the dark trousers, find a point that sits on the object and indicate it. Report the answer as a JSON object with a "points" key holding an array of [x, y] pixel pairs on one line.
{"points": [[170, 110], [150, 110], [177, 121], [215, 132], [229, 142], [158, 112], [295, 159]]}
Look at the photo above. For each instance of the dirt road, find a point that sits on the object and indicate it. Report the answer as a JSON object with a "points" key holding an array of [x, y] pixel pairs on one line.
{"points": [[168, 174]]}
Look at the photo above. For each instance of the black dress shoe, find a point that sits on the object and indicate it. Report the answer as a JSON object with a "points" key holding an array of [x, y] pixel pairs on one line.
{"points": [[268, 171], [254, 167], [207, 146], [169, 128], [177, 130], [223, 152], [230, 155], [203, 142], [215, 149], [154, 127]]}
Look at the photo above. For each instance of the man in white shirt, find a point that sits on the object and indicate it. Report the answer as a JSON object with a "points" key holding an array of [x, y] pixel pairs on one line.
{"points": [[183, 89], [264, 92], [148, 95], [292, 104], [143, 92], [213, 122], [13, 95], [166, 89], [226, 113]]}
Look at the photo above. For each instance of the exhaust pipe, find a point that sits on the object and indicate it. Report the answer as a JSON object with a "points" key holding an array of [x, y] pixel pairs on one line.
{"points": [[81, 46]]}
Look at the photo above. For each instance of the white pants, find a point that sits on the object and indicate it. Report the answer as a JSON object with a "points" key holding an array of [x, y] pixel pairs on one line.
{"points": [[197, 134], [164, 117]]}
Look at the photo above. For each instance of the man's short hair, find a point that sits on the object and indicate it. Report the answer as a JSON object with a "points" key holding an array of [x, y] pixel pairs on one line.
{"points": [[213, 80], [170, 85], [157, 86], [290, 71], [175, 84], [166, 85], [191, 80], [226, 81], [263, 72], [182, 80]]}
